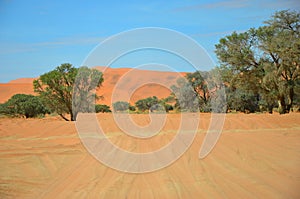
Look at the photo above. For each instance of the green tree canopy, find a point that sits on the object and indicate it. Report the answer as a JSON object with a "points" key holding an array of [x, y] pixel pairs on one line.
{"points": [[84, 93], [187, 99], [265, 60], [200, 91], [199, 85], [56, 88]]}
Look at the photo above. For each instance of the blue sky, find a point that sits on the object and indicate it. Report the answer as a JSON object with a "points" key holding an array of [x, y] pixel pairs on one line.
{"points": [[37, 36]]}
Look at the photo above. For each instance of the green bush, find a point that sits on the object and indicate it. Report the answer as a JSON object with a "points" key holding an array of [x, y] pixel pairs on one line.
{"points": [[132, 108], [168, 107], [242, 100], [149, 103], [102, 108], [153, 104], [23, 105], [121, 106]]}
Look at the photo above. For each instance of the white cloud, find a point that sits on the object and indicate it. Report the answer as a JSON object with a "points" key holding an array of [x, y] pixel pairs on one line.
{"points": [[236, 4], [72, 41], [220, 4], [10, 48], [281, 4]]}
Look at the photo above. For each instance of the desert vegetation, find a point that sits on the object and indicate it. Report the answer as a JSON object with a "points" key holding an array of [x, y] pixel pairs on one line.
{"points": [[24, 105], [61, 93], [121, 106], [102, 108], [261, 65], [259, 70]]}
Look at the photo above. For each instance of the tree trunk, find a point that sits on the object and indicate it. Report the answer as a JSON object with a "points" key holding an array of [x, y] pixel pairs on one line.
{"points": [[270, 109], [61, 115], [290, 99], [73, 116], [281, 105]]}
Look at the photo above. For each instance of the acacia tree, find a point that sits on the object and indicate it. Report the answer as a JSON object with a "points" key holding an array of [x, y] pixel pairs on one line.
{"points": [[280, 41], [200, 91], [84, 90], [56, 88], [185, 96], [265, 60], [200, 87]]}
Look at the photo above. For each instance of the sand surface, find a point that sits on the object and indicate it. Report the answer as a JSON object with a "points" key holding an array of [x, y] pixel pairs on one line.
{"points": [[257, 156]]}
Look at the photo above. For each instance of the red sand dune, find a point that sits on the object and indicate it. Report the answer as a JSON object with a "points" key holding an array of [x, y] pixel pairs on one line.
{"points": [[111, 77], [9, 89]]}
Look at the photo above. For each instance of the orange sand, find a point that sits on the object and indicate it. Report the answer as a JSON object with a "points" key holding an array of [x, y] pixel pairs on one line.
{"points": [[257, 156]]}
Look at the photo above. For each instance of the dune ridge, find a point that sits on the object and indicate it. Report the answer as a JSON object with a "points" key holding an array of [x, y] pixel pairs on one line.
{"points": [[111, 77]]}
